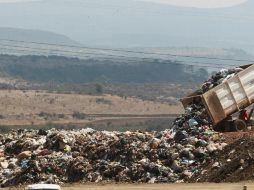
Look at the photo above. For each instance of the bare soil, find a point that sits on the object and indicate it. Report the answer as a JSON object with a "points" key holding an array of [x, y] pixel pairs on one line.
{"points": [[234, 164]]}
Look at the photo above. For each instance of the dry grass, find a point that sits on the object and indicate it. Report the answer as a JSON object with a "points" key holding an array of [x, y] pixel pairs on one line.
{"points": [[39, 107]]}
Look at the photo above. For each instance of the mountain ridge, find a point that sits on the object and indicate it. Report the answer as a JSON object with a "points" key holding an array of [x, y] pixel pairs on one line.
{"points": [[31, 35]]}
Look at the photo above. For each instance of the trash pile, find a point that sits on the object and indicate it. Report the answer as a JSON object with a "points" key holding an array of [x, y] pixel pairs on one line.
{"points": [[234, 164], [86, 155], [219, 77]]}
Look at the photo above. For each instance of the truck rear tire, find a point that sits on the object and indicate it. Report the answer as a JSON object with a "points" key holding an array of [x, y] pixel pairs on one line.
{"points": [[239, 125], [225, 126]]}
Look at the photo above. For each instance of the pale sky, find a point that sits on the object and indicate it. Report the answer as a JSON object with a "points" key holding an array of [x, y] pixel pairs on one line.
{"points": [[138, 23], [199, 3], [17, 1], [181, 3]]}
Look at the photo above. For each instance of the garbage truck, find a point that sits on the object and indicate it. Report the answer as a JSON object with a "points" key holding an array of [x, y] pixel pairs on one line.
{"points": [[43, 187], [226, 99]]}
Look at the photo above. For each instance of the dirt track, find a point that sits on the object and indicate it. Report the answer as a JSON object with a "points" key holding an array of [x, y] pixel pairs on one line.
{"points": [[165, 186], [209, 186]]}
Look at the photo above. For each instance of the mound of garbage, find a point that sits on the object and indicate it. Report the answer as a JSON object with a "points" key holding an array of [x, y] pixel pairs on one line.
{"points": [[86, 155]]}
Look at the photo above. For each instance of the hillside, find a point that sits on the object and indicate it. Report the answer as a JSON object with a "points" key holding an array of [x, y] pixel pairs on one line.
{"points": [[35, 36], [42, 69]]}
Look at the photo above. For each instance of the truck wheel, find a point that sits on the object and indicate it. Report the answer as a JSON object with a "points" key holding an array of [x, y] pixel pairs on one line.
{"points": [[239, 125]]}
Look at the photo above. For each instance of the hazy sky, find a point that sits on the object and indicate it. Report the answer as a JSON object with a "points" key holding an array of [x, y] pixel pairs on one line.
{"points": [[17, 1], [138, 23], [183, 3], [199, 3]]}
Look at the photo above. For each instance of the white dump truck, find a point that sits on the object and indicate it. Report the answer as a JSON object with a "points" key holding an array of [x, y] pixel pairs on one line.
{"points": [[228, 98], [43, 187]]}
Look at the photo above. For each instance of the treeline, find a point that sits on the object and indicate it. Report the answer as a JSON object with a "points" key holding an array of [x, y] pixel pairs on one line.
{"points": [[45, 69]]}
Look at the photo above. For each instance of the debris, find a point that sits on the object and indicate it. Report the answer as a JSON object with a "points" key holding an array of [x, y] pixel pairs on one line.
{"points": [[86, 155], [216, 165], [25, 154]]}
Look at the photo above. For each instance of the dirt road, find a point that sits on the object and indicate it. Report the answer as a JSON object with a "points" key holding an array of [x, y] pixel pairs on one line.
{"points": [[166, 186], [209, 186]]}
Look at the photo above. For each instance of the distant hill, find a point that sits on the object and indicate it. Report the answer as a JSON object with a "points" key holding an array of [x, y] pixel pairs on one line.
{"points": [[233, 55], [35, 36], [44, 69]]}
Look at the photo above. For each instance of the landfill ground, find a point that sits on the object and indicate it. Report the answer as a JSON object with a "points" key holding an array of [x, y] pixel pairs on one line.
{"points": [[194, 186]]}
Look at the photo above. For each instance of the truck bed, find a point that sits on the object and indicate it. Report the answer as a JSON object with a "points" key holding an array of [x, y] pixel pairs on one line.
{"points": [[229, 97]]}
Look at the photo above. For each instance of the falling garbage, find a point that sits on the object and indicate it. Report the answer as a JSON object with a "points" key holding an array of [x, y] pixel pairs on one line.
{"points": [[220, 77]]}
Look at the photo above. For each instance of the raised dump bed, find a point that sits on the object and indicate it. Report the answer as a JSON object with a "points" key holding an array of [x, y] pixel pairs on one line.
{"points": [[227, 98]]}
